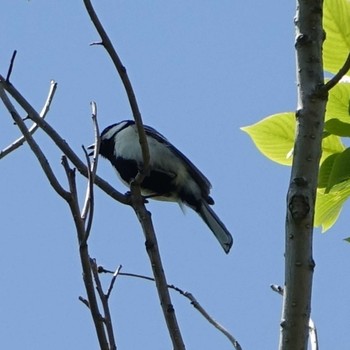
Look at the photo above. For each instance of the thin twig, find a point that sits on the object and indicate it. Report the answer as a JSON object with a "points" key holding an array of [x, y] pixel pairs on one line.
{"points": [[342, 71], [218, 326], [20, 141], [61, 143], [190, 297], [34, 146], [88, 208], [84, 301], [111, 285], [11, 65]]}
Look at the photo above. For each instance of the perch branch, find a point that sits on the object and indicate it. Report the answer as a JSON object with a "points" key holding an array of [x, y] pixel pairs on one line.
{"points": [[137, 201], [107, 44], [157, 267]]}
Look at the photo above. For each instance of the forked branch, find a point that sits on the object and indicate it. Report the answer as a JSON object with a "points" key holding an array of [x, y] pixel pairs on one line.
{"points": [[20, 141]]}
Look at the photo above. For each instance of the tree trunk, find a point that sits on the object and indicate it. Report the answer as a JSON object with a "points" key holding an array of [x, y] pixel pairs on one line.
{"points": [[299, 263]]}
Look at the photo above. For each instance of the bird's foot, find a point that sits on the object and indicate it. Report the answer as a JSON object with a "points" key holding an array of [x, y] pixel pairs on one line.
{"points": [[128, 194]]}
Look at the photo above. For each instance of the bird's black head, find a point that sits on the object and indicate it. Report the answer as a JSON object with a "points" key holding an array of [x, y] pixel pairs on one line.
{"points": [[108, 138]]}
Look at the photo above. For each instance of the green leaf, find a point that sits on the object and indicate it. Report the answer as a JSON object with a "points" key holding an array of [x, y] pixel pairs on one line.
{"points": [[337, 127], [274, 136], [338, 105], [326, 171], [341, 169], [336, 22], [334, 170], [330, 145], [347, 239], [329, 205]]}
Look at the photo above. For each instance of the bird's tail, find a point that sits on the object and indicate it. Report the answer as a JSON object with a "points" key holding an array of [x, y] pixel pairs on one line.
{"points": [[216, 226]]}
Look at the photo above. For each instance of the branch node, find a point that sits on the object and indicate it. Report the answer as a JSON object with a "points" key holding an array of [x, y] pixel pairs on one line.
{"points": [[84, 301], [95, 43]]}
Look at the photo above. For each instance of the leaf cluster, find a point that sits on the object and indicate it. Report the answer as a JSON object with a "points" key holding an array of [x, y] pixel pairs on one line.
{"points": [[274, 135]]}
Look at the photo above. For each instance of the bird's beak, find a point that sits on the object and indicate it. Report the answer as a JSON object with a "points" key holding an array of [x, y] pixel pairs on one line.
{"points": [[91, 147]]}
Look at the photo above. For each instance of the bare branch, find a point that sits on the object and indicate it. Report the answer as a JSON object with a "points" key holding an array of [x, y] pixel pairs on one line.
{"points": [[71, 197], [11, 65], [189, 296], [85, 258], [34, 146], [342, 71], [104, 301], [107, 44], [20, 141], [61, 143]]}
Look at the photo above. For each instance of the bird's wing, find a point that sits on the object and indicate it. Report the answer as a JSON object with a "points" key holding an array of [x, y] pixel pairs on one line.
{"points": [[197, 175]]}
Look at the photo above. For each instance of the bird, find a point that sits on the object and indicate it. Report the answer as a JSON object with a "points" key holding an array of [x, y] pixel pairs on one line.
{"points": [[171, 177]]}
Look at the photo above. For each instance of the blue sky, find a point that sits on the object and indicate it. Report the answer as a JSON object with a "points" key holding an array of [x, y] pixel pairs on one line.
{"points": [[200, 71]]}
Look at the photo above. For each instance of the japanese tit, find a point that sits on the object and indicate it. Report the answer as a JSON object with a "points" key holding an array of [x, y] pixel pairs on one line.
{"points": [[172, 176]]}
